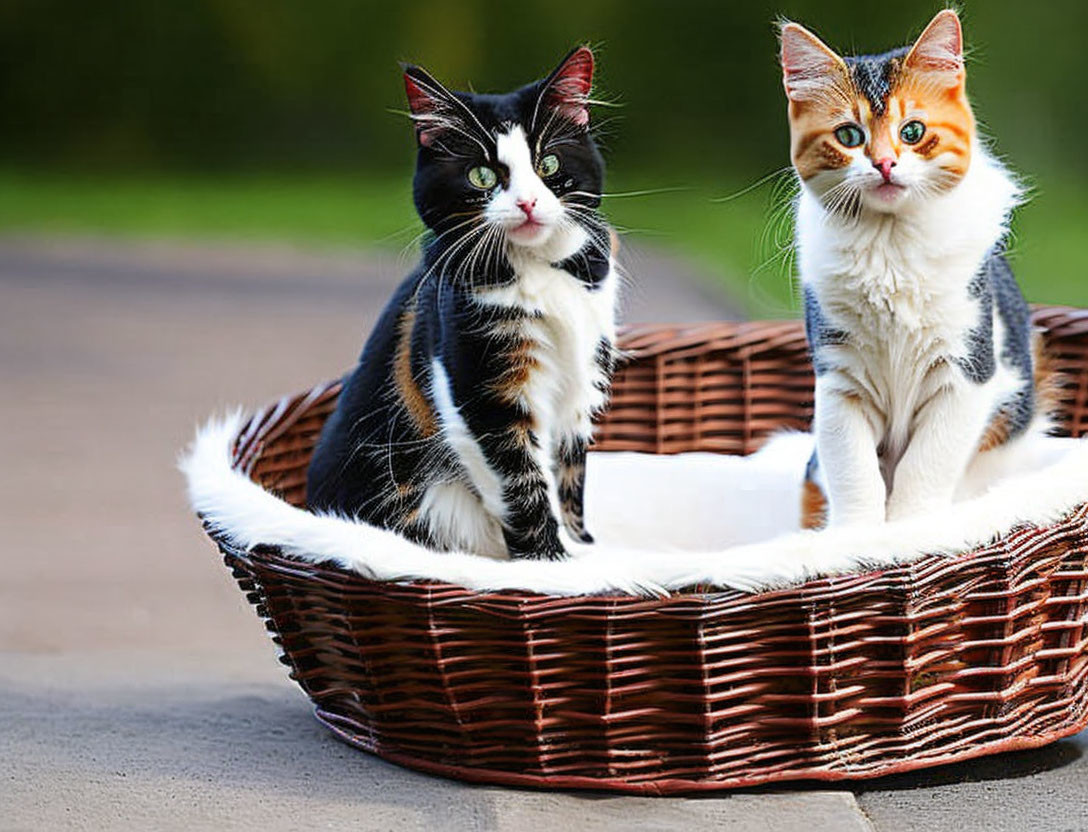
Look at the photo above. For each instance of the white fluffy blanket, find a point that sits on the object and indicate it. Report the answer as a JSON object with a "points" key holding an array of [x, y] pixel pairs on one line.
{"points": [[662, 522]]}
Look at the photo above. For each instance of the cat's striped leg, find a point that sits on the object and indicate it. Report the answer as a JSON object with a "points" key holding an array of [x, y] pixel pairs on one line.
{"points": [[493, 439], [570, 479], [529, 525]]}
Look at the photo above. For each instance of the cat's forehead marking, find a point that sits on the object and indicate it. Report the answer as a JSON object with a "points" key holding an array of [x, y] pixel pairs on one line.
{"points": [[875, 75], [512, 149]]}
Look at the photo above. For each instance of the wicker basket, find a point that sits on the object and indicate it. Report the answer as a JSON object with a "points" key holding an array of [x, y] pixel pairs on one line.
{"points": [[849, 677]]}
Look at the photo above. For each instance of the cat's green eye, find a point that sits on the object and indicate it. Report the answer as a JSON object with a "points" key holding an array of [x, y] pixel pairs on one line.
{"points": [[850, 135], [483, 177], [912, 132], [548, 165]]}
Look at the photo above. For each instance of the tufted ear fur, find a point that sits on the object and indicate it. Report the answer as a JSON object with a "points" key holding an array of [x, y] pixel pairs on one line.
{"points": [[938, 52], [434, 108], [809, 66], [567, 88]]}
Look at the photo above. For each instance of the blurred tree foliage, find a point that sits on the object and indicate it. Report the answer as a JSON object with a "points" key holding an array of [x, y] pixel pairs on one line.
{"points": [[292, 84]]}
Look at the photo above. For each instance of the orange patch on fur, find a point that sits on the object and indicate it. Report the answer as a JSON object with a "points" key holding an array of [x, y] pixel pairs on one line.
{"points": [[997, 432], [522, 431], [419, 409], [926, 148], [1048, 387], [832, 157], [813, 506], [950, 125], [806, 141], [1049, 380], [520, 366], [884, 142]]}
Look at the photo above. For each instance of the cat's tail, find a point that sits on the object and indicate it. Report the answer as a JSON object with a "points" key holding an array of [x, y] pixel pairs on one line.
{"points": [[1048, 380], [813, 496]]}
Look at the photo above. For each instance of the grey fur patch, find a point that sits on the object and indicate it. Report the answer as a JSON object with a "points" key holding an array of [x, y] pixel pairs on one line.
{"points": [[996, 289], [820, 333], [1016, 352], [980, 363]]}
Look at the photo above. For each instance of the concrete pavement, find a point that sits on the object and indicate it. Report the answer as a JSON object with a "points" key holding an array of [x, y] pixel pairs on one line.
{"points": [[138, 689], [142, 740]]}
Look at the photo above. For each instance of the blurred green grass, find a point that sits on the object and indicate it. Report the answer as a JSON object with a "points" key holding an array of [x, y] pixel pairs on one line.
{"points": [[737, 234]]}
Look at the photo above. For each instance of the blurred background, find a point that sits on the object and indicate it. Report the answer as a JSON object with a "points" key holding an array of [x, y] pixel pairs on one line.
{"points": [[279, 120]]}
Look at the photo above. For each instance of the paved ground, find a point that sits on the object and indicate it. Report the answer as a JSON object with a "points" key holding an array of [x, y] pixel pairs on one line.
{"points": [[137, 688]]}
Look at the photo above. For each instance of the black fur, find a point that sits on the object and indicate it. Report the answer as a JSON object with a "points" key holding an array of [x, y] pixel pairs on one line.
{"points": [[382, 448], [980, 363], [874, 75], [442, 192]]}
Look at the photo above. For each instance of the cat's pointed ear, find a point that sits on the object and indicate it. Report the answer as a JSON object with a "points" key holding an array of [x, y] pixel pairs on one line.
{"points": [[567, 89], [433, 107], [809, 66], [939, 50]]}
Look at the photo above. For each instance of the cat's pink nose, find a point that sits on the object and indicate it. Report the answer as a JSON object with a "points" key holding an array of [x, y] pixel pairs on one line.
{"points": [[527, 206], [885, 166]]}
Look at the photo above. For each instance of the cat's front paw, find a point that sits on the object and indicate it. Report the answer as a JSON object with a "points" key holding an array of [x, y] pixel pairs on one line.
{"points": [[543, 546], [548, 551], [557, 552]]}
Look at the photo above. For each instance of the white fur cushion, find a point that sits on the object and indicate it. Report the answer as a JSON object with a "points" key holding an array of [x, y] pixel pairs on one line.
{"points": [[661, 522]]}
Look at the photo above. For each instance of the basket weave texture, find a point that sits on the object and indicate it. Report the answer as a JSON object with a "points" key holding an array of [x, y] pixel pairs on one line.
{"points": [[848, 677]]}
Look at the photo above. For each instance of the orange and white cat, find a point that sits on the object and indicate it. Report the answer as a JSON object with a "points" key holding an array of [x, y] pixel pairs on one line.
{"points": [[926, 364]]}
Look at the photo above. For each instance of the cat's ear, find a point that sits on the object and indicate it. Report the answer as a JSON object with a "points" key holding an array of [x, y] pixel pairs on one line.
{"points": [[433, 107], [938, 52], [809, 66], [567, 89]]}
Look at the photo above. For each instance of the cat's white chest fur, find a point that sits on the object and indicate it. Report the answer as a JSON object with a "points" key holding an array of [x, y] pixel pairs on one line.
{"points": [[565, 323], [905, 303]]}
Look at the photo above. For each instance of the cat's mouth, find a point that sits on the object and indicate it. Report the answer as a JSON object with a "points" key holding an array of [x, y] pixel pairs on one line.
{"points": [[887, 194], [530, 231], [889, 189]]}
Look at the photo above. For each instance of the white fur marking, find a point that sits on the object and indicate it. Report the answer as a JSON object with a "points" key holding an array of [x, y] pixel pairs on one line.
{"points": [[567, 323], [524, 186], [457, 434], [456, 519]]}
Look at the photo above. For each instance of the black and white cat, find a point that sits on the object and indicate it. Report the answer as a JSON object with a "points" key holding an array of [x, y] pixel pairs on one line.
{"points": [[465, 424]]}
